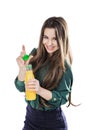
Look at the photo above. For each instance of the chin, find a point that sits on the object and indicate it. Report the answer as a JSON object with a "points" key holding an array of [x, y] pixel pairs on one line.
{"points": [[50, 52]]}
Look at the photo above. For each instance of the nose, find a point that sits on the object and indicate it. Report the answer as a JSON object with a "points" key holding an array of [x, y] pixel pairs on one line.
{"points": [[49, 42]]}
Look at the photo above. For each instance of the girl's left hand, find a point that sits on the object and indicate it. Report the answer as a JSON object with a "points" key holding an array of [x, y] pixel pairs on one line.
{"points": [[33, 85]]}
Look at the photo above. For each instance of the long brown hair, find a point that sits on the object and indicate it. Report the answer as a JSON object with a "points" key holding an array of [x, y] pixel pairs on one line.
{"points": [[57, 60]]}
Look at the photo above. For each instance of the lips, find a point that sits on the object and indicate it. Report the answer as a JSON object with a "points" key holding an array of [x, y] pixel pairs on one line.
{"points": [[50, 48]]}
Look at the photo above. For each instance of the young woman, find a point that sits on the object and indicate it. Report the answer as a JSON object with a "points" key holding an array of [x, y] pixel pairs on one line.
{"points": [[51, 63]]}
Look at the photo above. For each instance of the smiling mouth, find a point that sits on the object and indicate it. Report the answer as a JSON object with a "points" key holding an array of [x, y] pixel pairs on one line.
{"points": [[50, 48]]}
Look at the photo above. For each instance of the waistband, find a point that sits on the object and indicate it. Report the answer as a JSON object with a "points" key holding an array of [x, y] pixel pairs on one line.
{"points": [[36, 111]]}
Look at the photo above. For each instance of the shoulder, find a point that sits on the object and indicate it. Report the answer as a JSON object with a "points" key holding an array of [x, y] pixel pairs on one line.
{"points": [[67, 66], [33, 51]]}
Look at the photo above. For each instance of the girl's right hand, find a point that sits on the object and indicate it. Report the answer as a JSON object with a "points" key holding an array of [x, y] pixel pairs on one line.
{"points": [[20, 61], [22, 64]]}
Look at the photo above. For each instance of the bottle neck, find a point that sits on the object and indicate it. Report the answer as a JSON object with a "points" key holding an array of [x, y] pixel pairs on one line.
{"points": [[29, 67]]}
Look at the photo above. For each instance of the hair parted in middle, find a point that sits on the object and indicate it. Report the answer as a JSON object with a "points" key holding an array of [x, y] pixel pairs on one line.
{"points": [[57, 60]]}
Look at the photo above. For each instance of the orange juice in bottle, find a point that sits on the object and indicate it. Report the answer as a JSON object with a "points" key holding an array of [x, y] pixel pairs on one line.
{"points": [[30, 95]]}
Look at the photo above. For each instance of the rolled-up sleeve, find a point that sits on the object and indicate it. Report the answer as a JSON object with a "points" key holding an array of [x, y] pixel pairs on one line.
{"points": [[19, 85], [61, 94]]}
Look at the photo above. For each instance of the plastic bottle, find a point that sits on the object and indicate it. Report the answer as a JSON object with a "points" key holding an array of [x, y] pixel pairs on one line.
{"points": [[30, 95]]}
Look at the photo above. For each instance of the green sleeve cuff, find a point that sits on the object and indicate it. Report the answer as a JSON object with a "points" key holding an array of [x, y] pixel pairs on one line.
{"points": [[59, 98], [56, 99], [20, 85]]}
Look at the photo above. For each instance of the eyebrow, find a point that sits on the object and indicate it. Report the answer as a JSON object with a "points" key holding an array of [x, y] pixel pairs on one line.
{"points": [[48, 37], [45, 35]]}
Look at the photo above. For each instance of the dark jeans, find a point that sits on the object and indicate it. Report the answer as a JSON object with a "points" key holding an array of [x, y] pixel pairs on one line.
{"points": [[44, 120]]}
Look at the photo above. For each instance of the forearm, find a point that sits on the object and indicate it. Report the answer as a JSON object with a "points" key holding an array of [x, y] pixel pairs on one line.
{"points": [[21, 75], [46, 94]]}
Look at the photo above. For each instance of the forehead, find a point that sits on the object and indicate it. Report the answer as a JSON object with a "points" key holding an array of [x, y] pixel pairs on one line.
{"points": [[49, 31]]}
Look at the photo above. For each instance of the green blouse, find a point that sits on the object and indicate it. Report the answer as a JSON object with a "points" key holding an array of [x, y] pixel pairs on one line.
{"points": [[60, 94]]}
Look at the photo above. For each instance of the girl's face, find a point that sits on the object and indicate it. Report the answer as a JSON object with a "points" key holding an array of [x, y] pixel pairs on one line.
{"points": [[50, 41]]}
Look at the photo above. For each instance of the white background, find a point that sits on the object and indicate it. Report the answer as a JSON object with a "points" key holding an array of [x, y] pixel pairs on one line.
{"points": [[20, 23]]}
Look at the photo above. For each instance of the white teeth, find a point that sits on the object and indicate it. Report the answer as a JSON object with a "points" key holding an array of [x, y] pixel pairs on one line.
{"points": [[50, 48]]}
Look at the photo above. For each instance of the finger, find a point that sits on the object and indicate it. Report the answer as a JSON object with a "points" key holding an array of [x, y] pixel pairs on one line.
{"points": [[22, 53], [32, 90], [20, 60], [24, 49], [30, 57], [30, 86], [32, 80]]}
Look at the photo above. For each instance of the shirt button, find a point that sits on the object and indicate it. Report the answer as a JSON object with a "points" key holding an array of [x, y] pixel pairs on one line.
{"points": [[54, 99]]}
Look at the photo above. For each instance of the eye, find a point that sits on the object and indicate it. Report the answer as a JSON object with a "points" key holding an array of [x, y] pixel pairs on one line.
{"points": [[45, 37], [54, 38]]}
